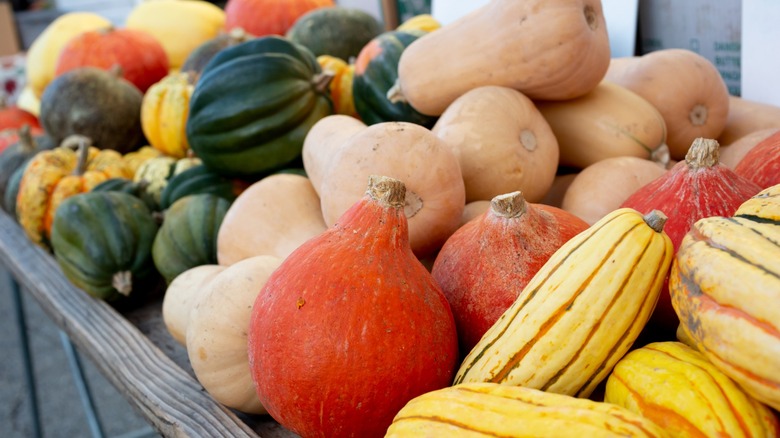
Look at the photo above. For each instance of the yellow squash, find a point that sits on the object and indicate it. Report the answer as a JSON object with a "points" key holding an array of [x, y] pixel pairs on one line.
{"points": [[581, 312], [164, 112]]}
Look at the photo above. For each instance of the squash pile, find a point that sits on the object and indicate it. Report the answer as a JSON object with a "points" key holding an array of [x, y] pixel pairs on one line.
{"points": [[363, 231]]}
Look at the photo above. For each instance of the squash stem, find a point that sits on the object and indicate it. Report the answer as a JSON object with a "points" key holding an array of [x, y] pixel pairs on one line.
{"points": [[388, 192], [656, 220], [510, 205], [81, 145], [703, 153], [123, 282], [26, 139], [322, 80], [395, 94]]}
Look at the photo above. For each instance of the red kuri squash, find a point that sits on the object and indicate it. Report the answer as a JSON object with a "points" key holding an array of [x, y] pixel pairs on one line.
{"points": [[13, 117], [268, 17], [762, 163]]}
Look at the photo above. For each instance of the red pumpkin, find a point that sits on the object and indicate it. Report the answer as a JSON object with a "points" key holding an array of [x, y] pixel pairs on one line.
{"points": [[488, 261], [268, 17], [762, 163], [13, 117], [11, 136], [694, 188], [351, 326], [140, 56]]}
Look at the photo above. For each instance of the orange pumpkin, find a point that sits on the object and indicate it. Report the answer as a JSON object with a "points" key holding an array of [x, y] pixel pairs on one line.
{"points": [[268, 17]]}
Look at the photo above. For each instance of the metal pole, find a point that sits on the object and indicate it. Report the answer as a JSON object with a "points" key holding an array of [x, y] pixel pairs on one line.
{"points": [[29, 372], [82, 386]]}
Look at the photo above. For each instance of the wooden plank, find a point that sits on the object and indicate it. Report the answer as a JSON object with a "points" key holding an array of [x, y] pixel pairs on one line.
{"points": [[166, 395]]}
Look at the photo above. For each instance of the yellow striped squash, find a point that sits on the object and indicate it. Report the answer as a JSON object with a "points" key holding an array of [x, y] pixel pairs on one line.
{"points": [[164, 113], [725, 287], [490, 409], [581, 312], [677, 388]]}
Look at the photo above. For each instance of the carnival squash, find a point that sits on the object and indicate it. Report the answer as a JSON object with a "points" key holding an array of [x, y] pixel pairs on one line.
{"points": [[551, 50], [253, 105], [182, 294], [156, 172], [164, 112], [134, 160], [340, 88]]}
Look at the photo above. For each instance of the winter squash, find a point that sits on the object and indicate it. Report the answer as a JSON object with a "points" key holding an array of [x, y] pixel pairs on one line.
{"points": [[102, 242], [133, 160], [197, 21], [601, 187], [762, 163], [188, 234], [95, 103], [423, 22], [12, 117], [485, 264], [200, 179], [693, 189], [549, 50], [11, 191], [503, 143], [725, 288], [127, 185], [501, 410], [746, 116], [344, 299], [18, 153], [273, 216], [54, 175], [337, 31], [340, 88], [181, 295], [582, 310], [406, 151], [685, 87], [558, 189], [156, 172], [141, 57], [322, 142], [268, 17], [197, 59], [732, 154], [253, 120], [610, 121], [681, 391], [42, 56], [217, 332], [376, 72], [164, 112]]}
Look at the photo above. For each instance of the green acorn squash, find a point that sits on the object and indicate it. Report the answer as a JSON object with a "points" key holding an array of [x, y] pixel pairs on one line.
{"points": [[126, 185], [336, 31], [12, 189], [188, 235], [103, 244], [254, 104], [200, 179], [376, 73]]}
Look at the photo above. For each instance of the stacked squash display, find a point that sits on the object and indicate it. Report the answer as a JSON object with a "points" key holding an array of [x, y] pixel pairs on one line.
{"points": [[363, 231]]}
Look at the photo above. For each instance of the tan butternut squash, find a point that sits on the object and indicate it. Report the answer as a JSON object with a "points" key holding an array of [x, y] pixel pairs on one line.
{"points": [[323, 139], [548, 49], [474, 209], [733, 153], [435, 193], [610, 121], [747, 116], [181, 295], [560, 185], [685, 87], [273, 216], [503, 142]]}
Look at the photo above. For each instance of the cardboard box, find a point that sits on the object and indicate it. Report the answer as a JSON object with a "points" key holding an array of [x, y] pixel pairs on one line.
{"points": [[9, 35]]}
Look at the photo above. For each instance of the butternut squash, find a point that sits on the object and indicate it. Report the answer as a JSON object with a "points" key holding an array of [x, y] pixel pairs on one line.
{"points": [[322, 140], [747, 116], [685, 87], [181, 295], [610, 121], [503, 142], [547, 49]]}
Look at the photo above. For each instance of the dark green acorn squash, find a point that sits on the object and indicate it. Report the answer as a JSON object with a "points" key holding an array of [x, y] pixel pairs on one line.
{"points": [[188, 235], [103, 243], [336, 31], [254, 104], [126, 185], [197, 180], [16, 155], [376, 73], [12, 190]]}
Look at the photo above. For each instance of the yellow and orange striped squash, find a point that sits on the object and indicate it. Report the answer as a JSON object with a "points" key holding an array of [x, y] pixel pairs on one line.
{"points": [[491, 409], [134, 160], [725, 287], [681, 391], [340, 87], [582, 310], [54, 175], [164, 112]]}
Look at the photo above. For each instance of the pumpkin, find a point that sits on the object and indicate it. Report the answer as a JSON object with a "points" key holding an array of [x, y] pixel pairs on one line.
{"points": [[196, 22], [141, 57], [725, 288], [156, 172], [54, 175], [218, 328], [601, 187], [268, 17], [609, 121], [502, 141], [200, 179], [273, 216], [12, 117], [340, 88], [681, 391], [164, 112], [95, 103], [746, 116], [428, 167], [335, 30], [322, 142], [188, 234], [685, 87], [44, 51], [254, 104], [485, 264], [423, 22], [197, 59], [501, 410], [695, 188], [762, 163], [343, 300], [181, 295], [102, 242], [582, 310], [733, 153], [376, 72], [549, 50]]}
